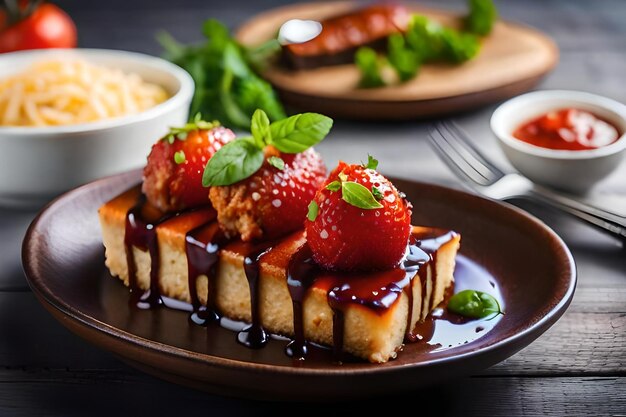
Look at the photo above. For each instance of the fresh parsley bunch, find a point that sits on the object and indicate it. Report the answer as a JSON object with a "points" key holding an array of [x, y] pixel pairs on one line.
{"points": [[227, 88]]}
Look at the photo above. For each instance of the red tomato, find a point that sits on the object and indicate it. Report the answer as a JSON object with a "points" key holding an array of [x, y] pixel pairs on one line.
{"points": [[47, 27]]}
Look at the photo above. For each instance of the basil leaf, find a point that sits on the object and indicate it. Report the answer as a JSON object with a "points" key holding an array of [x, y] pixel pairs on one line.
{"points": [[372, 163], [276, 162], [313, 210], [299, 132], [490, 305], [260, 128], [334, 186], [235, 161], [179, 157], [357, 195], [474, 304]]}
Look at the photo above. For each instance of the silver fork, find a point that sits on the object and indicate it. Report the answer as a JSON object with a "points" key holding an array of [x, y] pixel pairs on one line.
{"points": [[467, 162]]}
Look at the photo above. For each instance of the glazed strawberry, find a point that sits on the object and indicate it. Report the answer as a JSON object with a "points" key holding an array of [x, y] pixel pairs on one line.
{"points": [[173, 175], [358, 221], [273, 201]]}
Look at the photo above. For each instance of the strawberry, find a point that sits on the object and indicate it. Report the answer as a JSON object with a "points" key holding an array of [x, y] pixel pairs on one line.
{"points": [[273, 201], [173, 175], [358, 221]]}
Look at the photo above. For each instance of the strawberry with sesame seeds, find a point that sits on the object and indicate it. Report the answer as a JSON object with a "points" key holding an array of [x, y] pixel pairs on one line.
{"points": [[358, 220], [173, 175]]}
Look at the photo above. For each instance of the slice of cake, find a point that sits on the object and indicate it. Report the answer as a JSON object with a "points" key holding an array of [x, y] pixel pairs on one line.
{"points": [[352, 273]]}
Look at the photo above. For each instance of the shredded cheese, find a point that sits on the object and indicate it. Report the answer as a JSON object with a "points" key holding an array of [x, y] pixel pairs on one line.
{"points": [[65, 92]]}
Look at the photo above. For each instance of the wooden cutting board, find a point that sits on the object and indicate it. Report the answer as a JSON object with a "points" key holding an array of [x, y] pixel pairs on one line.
{"points": [[512, 59]]}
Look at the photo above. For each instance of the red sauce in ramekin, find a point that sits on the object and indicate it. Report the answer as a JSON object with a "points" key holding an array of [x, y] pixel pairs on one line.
{"points": [[568, 129]]}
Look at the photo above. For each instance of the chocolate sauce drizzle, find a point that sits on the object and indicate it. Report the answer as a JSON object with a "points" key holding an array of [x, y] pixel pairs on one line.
{"points": [[375, 290], [254, 336], [202, 245], [140, 231], [301, 274]]}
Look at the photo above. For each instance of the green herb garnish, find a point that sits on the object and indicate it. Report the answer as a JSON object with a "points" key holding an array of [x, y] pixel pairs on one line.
{"points": [[313, 210], [299, 132], [482, 16], [197, 123], [179, 157], [378, 195], [474, 304], [334, 186], [372, 163], [370, 65], [241, 158], [227, 87], [426, 41], [404, 60], [357, 194], [276, 162]]}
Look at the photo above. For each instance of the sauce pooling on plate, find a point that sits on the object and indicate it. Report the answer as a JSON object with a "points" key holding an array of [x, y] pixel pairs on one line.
{"points": [[567, 129]]}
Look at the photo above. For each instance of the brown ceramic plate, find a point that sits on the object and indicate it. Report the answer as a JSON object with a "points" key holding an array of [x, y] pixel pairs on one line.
{"points": [[64, 263], [513, 58]]}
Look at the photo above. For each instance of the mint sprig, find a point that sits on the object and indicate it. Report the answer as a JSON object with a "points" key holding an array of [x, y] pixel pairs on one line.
{"points": [[241, 158], [181, 132]]}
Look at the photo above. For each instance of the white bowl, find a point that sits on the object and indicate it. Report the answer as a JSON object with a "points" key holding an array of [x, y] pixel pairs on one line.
{"points": [[573, 171], [37, 163]]}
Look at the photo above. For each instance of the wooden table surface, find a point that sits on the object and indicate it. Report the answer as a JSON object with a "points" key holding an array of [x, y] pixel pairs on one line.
{"points": [[576, 368]]}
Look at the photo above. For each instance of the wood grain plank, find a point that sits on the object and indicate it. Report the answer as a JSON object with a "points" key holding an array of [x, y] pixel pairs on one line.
{"points": [[74, 393], [578, 344]]}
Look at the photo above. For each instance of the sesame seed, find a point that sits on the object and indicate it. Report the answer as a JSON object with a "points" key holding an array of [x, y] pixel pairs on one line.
{"points": [[256, 196], [277, 203], [324, 234]]}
